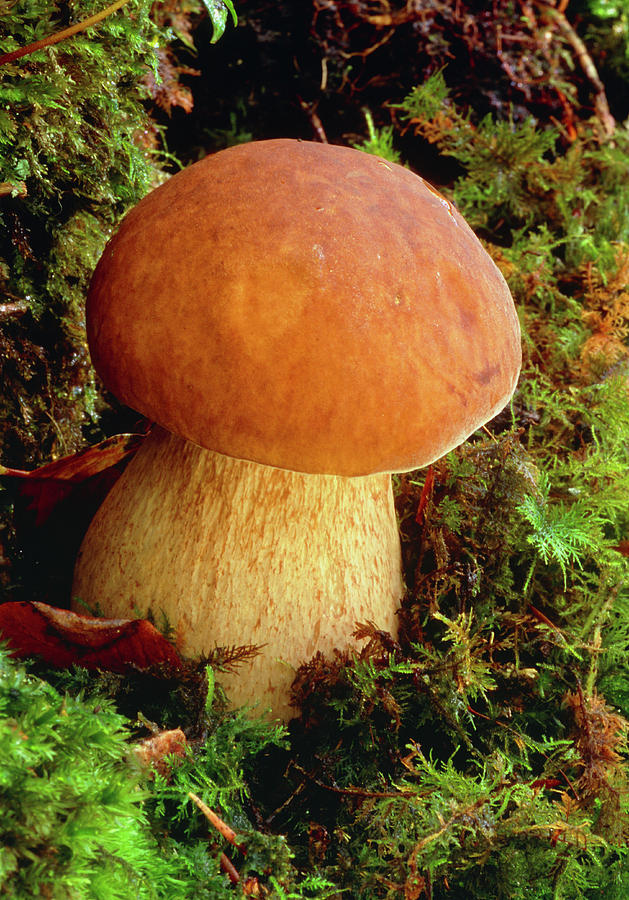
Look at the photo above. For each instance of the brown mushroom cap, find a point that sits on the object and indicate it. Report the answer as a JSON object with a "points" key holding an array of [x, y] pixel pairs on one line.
{"points": [[305, 306]]}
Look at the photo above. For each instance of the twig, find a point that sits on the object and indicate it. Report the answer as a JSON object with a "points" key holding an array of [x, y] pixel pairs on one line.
{"points": [[317, 125], [601, 105], [13, 310], [324, 74], [419, 846], [372, 48], [250, 887], [351, 791], [18, 188], [62, 35]]}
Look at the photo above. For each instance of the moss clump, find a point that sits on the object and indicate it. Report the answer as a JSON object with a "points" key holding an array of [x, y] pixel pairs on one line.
{"points": [[76, 144], [71, 817], [79, 144], [81, 818]]}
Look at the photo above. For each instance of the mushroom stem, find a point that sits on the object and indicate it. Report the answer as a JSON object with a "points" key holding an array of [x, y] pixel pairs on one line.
{"points": [[233, 552]]}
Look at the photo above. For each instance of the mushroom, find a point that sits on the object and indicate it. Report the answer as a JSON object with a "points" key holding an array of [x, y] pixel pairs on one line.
{"points": [[302, 320]]}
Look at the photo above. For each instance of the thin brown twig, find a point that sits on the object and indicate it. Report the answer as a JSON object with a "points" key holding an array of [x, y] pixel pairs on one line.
{"points": [[460, 814], [371, 49], [17, 188], [13, 310], [351, 791], [601, 106], [317, 125], [62, 35]]}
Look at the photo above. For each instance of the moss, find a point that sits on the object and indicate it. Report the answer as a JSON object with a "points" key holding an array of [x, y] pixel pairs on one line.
{"points": [[72, 823], [79, 145]]}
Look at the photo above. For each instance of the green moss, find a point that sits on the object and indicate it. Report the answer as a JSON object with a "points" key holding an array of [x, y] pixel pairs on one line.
{"points": [[80, 818], [78, 146], [71, 822]]}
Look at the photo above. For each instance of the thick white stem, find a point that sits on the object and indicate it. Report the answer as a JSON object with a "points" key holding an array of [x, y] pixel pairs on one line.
{"points": [[237, 553]]}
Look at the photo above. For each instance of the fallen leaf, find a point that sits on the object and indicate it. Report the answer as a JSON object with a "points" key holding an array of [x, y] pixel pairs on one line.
{"points": [[425, 496], [152, 751], [43, 489], [62, 638], [53, 506]]}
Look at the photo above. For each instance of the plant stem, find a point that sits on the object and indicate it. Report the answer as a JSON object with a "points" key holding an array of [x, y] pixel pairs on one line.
{"points": [[62, 35], [601, 106]]}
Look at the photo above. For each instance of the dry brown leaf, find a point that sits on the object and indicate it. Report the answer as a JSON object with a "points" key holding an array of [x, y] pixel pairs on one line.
{"points": [[63, 638]]}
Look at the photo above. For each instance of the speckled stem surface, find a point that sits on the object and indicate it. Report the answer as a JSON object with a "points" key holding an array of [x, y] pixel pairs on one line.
{"points": [[236, 553]]}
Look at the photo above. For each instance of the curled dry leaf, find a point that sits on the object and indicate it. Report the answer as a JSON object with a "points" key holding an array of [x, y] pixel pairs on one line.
{"points": [[39, 492], [152, 751], [64, 638], [53, 506]]}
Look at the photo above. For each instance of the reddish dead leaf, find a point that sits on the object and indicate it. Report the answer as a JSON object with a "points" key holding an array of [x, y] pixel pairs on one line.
{"points": [[426, 495], [53, 506], [153, 751], [43, 489], [538, 614], [62, 638], [165, 87]]}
